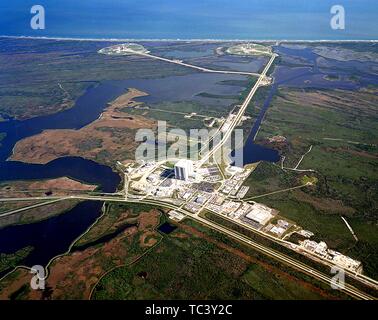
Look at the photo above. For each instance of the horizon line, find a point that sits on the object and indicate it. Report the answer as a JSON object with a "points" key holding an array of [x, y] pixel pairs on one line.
{"points": [[181, 40]]}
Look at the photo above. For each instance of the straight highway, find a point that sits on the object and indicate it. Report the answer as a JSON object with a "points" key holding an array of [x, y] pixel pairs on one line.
{"points": [[125, 197], [188, 65], [231, 233], [240, 113]]}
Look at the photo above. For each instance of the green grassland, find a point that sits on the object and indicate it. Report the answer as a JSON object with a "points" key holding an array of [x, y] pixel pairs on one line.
{"points": [[173, 112], [119, 136], [109, 222], [8, 261], [187, 266], [35, 214], [345, 169], [174, 120], [274, 285]]}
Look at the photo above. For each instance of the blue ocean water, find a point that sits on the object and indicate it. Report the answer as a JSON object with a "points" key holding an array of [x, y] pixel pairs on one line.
{"points": [[194, 19]]}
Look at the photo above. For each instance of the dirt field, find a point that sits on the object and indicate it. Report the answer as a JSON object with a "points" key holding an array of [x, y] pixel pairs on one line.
{"points": [[61, 184], [57, 186]]}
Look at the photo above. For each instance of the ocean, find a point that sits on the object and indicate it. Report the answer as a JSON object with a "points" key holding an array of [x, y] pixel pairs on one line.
{"points": [[192, 19]]}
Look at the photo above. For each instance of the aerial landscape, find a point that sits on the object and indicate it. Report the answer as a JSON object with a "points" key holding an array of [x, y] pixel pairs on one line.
{"points": [[106, 184]]}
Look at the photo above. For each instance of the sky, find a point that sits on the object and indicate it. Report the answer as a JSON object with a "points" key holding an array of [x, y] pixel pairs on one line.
{"points": [[189, 19]]}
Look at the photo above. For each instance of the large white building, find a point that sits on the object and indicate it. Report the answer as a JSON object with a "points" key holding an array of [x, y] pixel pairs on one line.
{"points": [[259, 213], [183, 169]]}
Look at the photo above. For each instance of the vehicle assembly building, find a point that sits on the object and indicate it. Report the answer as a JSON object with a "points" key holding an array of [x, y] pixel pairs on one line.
{"points": [[183, 169]]}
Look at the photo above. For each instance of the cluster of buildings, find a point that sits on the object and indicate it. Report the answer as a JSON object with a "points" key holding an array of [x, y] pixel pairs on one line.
{"points": [[197, 203], [266, 81], [195, 191], [247, 49], [227, 123], [253, 214], [279, 228], [210, 173], [230, 119], [139, 169], [190, 115], [242, 192], [231, 188], [321, 249], [220, 205], [151, 178], [124, 48], [305, 233]]}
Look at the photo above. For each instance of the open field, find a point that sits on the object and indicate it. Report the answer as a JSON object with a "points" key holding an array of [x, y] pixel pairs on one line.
{"points": [[57, 186], [196, 263], [345, 54], [163, 112]]}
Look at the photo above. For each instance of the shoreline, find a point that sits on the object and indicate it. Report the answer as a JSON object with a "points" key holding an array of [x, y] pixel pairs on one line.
{"points": [[72, 245], [46, 268], [189, 39]]}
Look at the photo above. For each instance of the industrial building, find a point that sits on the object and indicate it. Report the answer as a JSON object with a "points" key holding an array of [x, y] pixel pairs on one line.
{"points": [[321, 249], [183, 169], [259, 213]]}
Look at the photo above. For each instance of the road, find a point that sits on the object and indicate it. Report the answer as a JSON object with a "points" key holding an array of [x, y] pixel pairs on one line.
{"points": [[193, 66], [8, 213], [350, 228], [278, 191], [268, 251], [301, 159], [240, 113], [285, 259], [231, 233]]}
